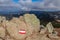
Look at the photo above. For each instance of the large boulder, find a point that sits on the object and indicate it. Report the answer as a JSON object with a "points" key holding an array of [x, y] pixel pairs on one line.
{"points": [[32, 21]]}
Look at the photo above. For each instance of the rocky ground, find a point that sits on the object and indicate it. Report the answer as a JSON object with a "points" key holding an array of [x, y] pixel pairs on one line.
{"points": [[26, 27]]}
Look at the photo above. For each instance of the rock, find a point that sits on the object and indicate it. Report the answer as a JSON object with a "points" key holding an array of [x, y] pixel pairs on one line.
{"points": [[50, 27], [2, 32], [1, 39], [26, 27], [53, 36], [14, 28], [4, 23], [2, 18], [32, 21], [28, 23], [43, 29], [21, 18], [45, 38], [52, 33], [35, 36], [8, 38]]}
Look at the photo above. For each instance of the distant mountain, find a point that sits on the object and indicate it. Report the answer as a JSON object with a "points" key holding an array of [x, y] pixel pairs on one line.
{"points": [[14, 8], [43, 15], [9, 9]]}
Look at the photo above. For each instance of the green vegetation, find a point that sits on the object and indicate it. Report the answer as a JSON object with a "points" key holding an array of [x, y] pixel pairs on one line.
{"points": [[55, 24]]}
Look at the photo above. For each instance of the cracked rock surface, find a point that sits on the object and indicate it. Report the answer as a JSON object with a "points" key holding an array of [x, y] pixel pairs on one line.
{"points": [[2, 32], [28, 23]]}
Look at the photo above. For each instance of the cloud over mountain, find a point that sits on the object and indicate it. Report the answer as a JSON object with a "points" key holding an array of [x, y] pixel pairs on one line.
{"points": [[27, 5]]}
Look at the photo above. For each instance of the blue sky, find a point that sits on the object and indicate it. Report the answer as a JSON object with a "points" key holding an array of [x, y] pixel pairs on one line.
{"points": [[16, 1], [47, 5], [37, 0]]}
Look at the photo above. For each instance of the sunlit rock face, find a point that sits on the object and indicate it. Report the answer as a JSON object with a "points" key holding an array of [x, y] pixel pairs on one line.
{"points": [[2, 32], [26, 27]]}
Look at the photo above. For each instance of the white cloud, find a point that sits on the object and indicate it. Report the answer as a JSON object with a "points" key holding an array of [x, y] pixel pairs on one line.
{"points": [[45, 5], [25, 0], [29, 5]]}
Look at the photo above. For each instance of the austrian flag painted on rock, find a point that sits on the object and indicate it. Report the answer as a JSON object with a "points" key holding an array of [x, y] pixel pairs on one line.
{"points": [[22, 32]]}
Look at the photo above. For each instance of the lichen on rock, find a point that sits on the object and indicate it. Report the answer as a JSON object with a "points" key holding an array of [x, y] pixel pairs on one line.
{"points": [[29, 23], [50, 27], [32, 21]]}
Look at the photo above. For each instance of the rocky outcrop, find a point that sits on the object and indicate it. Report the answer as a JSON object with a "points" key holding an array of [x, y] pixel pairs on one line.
{"points": [[26, 27]]}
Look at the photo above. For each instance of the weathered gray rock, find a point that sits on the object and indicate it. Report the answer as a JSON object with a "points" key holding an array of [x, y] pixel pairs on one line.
{"points": [[32, 21], [2, 32], [50, 27], [43, 29], [14, 28], [1, 39]]}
